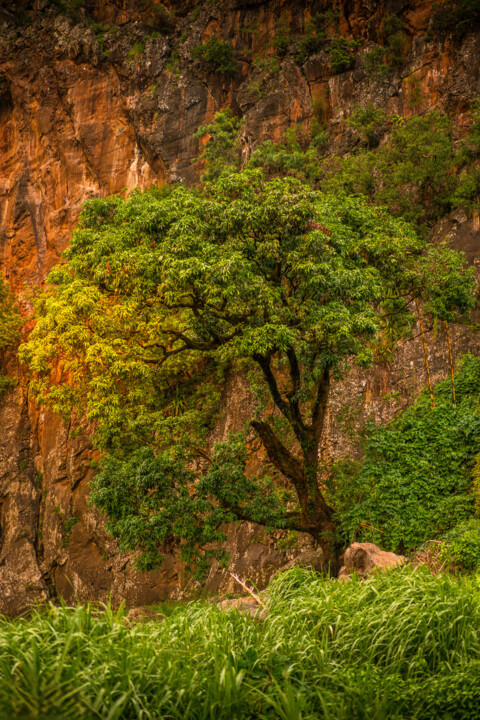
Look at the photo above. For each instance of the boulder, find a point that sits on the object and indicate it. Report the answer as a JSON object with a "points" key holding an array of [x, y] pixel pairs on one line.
{"points": [[365, 558], [313, 559]]}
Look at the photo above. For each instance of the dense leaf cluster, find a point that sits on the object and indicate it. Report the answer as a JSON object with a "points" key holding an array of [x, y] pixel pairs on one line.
{"points": [[415, 480], [219, 53], [10, 323], [419, 172]]}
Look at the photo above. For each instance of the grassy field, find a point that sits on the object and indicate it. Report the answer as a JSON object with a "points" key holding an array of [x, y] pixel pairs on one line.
{"points": [[401, 645]]}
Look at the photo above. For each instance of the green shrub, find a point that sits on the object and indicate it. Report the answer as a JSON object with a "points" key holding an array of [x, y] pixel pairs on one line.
{"points": [[415, 480], [137, 48], [70, 8], [374, 62], [342, 56], [367, 120], [419, 172], [10, 320], [162, 19], [222, 150], [172, 63], [308, 46], [462, 545], [456, 18], [220, 54], [10, 324], [282, 39]]}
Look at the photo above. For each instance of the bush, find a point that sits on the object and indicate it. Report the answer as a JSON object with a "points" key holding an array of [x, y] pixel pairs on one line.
{"points": [[137, 48], [342, 55], [374, 62], [308, 46], [456, 18], [10, 320], [220, 54], [415, 480], [462, 545]]}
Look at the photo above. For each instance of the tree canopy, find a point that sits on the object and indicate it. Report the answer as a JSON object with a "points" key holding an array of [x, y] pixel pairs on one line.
{"points": [[161, 293]]}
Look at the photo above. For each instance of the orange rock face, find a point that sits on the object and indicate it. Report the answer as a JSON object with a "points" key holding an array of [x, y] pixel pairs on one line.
{"points": [[88, 110]]}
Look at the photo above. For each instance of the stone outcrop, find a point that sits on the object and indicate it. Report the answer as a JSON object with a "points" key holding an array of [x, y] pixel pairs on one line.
{"points": [[88, 109], [365, 558]]}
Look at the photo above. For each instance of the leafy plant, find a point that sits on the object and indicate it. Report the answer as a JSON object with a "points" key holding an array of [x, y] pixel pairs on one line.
{"points": [[222, 149], [308, 46], [415, 480], [10, 324], [282, 38], [461, 545], [70, 8], [456, 18], [269, 65], [367, 120], [137, 48], [374, 62], [67, 528], [342, 55], [219, 53], [161, 18], [10, 319], [172, 63]]}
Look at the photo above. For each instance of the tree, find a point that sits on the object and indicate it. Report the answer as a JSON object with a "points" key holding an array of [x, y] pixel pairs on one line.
{"points": [[162, 292]]}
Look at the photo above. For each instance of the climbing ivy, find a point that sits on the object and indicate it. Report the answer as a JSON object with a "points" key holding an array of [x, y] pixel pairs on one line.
{"points": [[414, 481]]}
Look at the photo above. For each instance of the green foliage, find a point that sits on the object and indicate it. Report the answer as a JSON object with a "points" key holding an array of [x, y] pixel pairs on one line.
{"points": [[462, 545], [367, 120], [375, 64], [10, 324], [456, 18], [415, 173], [308, 46], [415, 480], [70, 8], [222, 150], [159, 292], [10, 320], [316, 39], [219, 53], [5, 384], [137, 48], [342, 54], [67, 528], [400, 645], [283, 38], [419, 173], [149, 500], [394, 39], [162, 19], [173, 63], [269, 65]]}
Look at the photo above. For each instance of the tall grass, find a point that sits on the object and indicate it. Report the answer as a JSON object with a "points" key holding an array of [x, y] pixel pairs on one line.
{"points": [[402, 645]]}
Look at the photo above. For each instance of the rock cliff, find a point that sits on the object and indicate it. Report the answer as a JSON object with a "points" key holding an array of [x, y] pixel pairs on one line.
{"points": [[107, 96]]}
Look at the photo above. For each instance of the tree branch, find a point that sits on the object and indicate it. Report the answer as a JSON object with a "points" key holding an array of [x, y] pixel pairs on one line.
{"points": [[278, 454]]}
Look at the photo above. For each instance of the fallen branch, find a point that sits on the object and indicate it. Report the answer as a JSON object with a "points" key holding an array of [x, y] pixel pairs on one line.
{"points": [[249, 590]]}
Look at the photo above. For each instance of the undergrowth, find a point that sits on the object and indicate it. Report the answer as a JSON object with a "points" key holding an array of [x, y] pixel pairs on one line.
{"points": [[401, 645], [415, 481]]}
